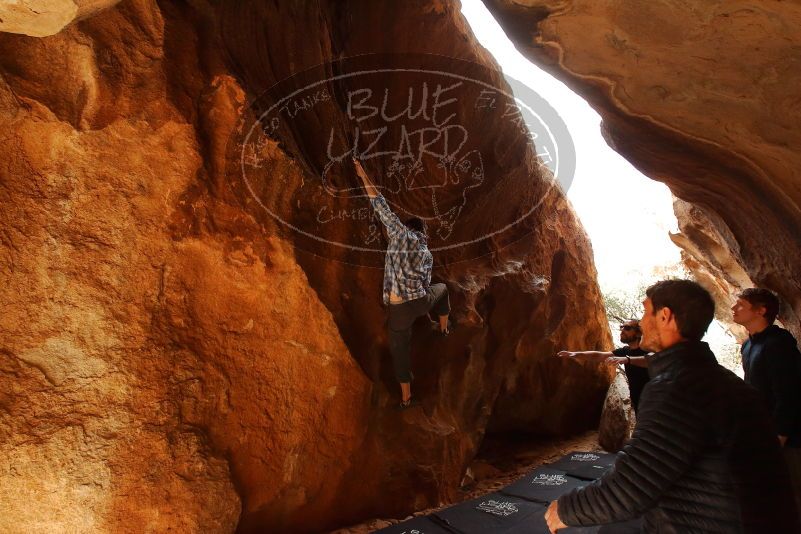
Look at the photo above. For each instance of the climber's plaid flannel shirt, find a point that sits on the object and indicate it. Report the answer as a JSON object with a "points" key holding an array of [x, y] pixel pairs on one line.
{"points": [[408, 262]]}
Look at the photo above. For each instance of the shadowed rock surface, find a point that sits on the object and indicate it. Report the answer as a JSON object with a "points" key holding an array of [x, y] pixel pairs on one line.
{"points": [[171, 357], [700, 96]]}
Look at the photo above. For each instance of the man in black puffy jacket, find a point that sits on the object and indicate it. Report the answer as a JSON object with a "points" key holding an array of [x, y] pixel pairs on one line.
{"points": [[703, 456]]}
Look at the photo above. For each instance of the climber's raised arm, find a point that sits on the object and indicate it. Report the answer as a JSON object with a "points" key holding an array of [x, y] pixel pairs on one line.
{"points": [[395, 228], [371, 190]]}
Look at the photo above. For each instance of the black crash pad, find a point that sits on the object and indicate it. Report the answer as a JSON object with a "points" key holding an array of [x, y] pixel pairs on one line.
{"points": [[586, 465], [416, 525], [502, 514], [544, 485]]}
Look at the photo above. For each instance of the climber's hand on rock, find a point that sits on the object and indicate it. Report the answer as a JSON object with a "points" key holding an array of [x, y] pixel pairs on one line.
{"points": [[371, 190]]}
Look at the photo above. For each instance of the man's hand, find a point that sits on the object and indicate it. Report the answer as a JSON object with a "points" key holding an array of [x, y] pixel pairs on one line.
{"points": [[782, 440], [552, 518], [615, 360], [566, 354]]}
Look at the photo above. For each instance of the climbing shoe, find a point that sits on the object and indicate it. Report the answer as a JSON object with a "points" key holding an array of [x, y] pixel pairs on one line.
{"points": [[405, 405]]}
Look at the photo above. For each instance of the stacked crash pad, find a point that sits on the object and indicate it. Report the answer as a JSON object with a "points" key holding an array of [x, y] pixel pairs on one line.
{"points": [[520, 507]]}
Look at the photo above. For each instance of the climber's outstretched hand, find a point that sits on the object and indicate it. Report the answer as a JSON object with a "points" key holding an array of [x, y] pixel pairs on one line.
{"points": [[368, 184]]}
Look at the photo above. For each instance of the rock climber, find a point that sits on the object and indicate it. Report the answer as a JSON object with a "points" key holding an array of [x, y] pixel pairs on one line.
{"points": [[407, 289]]}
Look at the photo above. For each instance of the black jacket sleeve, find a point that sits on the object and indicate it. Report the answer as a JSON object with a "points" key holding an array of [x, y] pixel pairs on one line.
{"points": [[785, 380], [668, 437]]}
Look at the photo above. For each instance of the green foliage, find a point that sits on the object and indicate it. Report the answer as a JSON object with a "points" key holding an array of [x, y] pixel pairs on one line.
{"points": [[622, 306]]}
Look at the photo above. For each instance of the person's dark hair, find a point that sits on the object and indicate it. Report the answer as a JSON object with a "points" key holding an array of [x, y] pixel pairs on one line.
{"points": [[635, 324], [417, 224], [762, 297], [690, 303]]}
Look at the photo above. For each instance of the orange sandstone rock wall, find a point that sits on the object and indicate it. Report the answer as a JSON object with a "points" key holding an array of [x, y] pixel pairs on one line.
{"points": [[41, 18], [707, 250], [700, 96], [172, 358]]}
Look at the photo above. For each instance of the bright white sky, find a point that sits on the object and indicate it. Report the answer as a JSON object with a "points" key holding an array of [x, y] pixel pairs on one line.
{"points": [[627, 215]]}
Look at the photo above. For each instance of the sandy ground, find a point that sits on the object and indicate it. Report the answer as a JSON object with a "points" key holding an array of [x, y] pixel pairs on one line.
{"points": [[500, 462]]}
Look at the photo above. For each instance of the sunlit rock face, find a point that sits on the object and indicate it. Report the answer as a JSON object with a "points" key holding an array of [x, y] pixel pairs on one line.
{"points": [[701, 96], [41, 18], [174, 355], [711, 253], [617, 418]]}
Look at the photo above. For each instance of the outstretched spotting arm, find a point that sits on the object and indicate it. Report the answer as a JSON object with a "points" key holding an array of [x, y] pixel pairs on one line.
{"points": [[586, 355]]}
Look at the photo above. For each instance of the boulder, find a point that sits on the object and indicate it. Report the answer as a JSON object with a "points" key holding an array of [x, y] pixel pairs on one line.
{"points": [[699, 96], [176, 356]]}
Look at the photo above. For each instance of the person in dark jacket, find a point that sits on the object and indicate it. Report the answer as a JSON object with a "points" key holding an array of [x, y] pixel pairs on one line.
{"points": [[631, 356], [703, 456], [772, 364]]}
